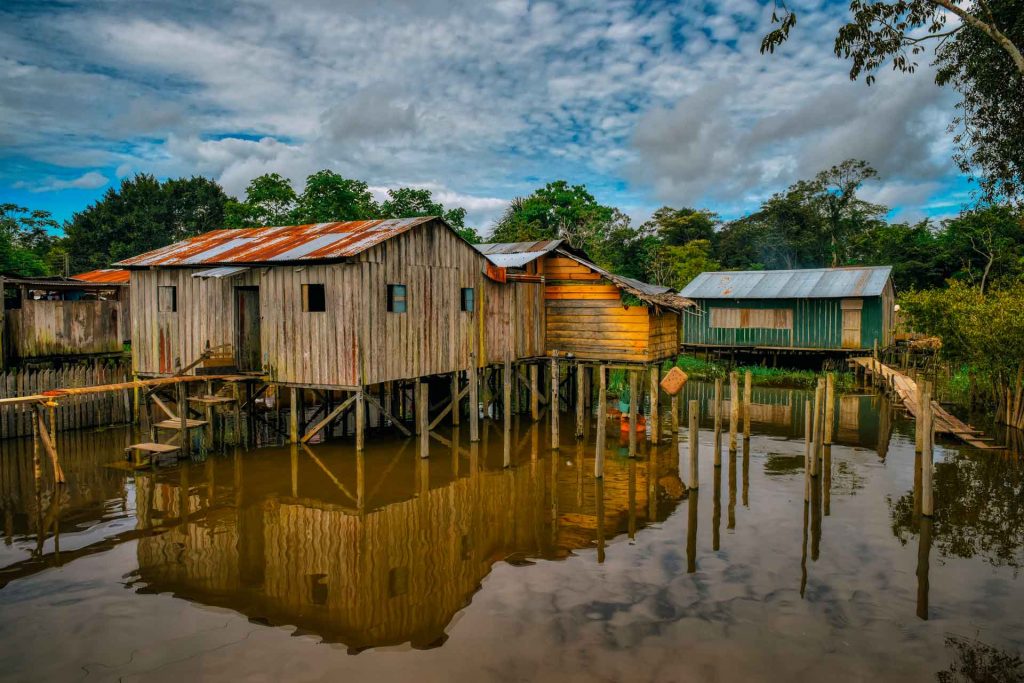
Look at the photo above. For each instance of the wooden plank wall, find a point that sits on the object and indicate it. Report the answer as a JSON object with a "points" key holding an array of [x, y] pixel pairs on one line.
{"points": [[73, 412], [585, 316], [206, 312], [63, 328], [514, 317]]}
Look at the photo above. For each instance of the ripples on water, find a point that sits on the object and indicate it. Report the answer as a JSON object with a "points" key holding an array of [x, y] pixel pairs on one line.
{"points": [[278, 563]]}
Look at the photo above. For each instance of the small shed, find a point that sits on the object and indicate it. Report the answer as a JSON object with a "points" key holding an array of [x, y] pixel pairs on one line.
{"points": [[816, 309], [58, 317], [590, 312]]}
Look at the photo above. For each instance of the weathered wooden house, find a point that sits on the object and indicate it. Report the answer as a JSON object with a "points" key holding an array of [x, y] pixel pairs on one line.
{"points": [[331, 305], [57, 317], [818, 309], [591, 313]]}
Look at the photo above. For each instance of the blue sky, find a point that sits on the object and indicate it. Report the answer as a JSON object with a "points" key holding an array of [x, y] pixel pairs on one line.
{"points": [[647, 103]]}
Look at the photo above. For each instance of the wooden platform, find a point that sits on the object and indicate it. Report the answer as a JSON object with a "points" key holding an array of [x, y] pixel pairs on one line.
{"points": [[141, 453], [176, 424], [906, 390], [211, 400]]}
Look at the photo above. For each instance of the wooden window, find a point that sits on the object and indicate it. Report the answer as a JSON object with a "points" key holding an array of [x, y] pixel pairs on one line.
{"points": [[396, 299], [167, 299], [751, 318], [468, 301], [314, 300]]}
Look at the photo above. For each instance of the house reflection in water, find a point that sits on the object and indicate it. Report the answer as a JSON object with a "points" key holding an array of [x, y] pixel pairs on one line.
{"points": [[381, 549]]}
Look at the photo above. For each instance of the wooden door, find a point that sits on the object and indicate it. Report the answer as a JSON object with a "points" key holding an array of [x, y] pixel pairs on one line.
{"points": [[247, 328], [851, 323]]}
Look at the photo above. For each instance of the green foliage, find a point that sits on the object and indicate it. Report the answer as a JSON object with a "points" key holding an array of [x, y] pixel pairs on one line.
{"points": [[409, 202], [676, 227], [142, 214], [675, 266], [270, 200], [556, 211], [698, 368], [25, 240], [330, 197]]}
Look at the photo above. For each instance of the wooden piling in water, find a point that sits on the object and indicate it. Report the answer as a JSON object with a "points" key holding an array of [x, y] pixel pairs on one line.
{"points": [[422, 409], [808, 422], [830, 407], [819, 399], [293, 417], [581, 402], [360, 420], [925, 424], [734, 408], [716, 408], [655, 391], [675, 414], [602, 421], [554, 404], [456, 403], [748, 380], [693, 417], [534, 392], [633, 405], [506, 383]]}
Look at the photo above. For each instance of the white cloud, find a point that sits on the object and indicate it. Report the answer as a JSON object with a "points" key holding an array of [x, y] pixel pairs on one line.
{"points": [[86, 181]]}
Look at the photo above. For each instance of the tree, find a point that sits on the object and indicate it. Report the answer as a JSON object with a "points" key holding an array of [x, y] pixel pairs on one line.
{"points": [[981, 57], [330, 197], [913, 251], [983, 244], [409, 202], [269, 201], [140, 215], [556, 211], [680, 226], [25, 239], [833, 194], [675, 265], [625, 250]]}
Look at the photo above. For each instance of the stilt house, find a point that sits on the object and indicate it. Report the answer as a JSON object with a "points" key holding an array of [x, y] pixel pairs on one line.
{"points": [[591, 313], [817, 309], [331, 305]]}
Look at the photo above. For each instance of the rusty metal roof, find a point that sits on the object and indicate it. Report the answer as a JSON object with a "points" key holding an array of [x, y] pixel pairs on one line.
{"points": [[287, 244], [113, 276], [809, 283]]}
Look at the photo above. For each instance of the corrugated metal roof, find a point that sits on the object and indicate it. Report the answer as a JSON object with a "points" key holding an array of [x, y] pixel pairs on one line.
{"points": [[113, 276], [516, 254], [221, 272], [293, 243], [810, 283]]}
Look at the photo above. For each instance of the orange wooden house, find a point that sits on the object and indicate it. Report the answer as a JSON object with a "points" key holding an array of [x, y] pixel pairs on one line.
{"points": [[589, 312]]}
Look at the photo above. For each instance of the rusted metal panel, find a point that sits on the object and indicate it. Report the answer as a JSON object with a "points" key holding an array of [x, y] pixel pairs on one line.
{"points": [[113, 276], [288, 244]]}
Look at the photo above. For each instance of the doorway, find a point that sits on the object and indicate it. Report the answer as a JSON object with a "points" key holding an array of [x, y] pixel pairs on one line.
{"points": [[248, 353]]}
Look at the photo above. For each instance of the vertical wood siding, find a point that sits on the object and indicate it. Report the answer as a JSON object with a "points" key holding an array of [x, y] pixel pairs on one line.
{"points": [[63, 328]]}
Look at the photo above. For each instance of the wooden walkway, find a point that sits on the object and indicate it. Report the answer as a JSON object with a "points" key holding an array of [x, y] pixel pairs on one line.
{"points": [[906, 389]]}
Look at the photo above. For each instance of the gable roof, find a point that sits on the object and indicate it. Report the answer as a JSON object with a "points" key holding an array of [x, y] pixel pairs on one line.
{"points": [[517, 254], [809, 283], [279, 245]]}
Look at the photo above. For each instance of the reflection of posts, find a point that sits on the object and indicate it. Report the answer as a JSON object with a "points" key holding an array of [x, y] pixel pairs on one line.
{"points": [[716, 509], [815, 518], [803, 552], [734, 408], [691, 533], [826, 482], [717, 408], [807, 450], [599, 502], [602, 422], [748, 379], [746, 474], [924, 548], [732, 486], [694, 446], [927, 466]]}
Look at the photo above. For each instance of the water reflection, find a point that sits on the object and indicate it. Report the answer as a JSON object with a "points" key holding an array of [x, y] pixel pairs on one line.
{"points": [[363, 551]]}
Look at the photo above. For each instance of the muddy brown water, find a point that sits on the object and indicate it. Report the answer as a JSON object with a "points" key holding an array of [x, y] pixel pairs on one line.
{"points": [[283, 564]]}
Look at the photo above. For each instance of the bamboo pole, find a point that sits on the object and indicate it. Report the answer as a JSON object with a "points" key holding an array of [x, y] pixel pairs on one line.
{"points": [[830, 407], [716, 408], [580, 401], [693, 444], [734, 408], [602, 421], [927, 465], [655, 391], [554, 404], [748, 380]]}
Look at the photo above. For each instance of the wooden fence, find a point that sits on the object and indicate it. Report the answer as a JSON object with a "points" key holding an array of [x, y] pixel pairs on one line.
{"points": [[73, 412]]}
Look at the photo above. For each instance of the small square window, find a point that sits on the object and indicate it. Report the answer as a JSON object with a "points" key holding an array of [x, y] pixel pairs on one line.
{"points": [[314, 300], [396, 299], [167, 299], [468, 303]]}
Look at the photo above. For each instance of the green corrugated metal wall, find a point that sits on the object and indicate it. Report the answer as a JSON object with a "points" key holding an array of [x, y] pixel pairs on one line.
{"points": [[817, 324]]}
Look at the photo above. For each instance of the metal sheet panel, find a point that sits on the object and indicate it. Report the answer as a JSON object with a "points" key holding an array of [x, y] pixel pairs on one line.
{"points": [[810, 283]]}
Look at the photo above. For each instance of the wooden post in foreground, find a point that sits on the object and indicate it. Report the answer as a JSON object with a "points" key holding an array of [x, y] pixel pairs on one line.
{"points": [[186, 437], [293, 417], [534, 392], [918, 432], [633, 401], [830, 406], [581, 402], [927, 466], [602, 421], [473, 375], [819, 399], [506, 404], [655, 390], [554, 403], [734, 408], [675, 414], [808, 453], [360, 407], [716, 408], [748, 380], [694, 446], [456, 403]]}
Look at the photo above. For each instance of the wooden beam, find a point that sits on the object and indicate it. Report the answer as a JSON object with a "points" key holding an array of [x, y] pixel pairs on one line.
{"points": [[395, 422], [327, 420], [49, 447], [447, 409]]}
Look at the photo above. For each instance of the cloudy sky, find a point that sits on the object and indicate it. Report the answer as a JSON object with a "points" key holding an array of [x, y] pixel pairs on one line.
{"points": [[647, 103]]}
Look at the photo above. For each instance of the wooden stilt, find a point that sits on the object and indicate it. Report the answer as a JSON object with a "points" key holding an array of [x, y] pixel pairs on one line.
{"points": [[186, 436], [691, 532], [634, 400], [422, 414], [506, 383], [456, 403], [360, 419], [830, 407], [819, 400], [473, 374], [734, 408], [717, 408], [580, 401], [602, 421], [808, 427], [554, 403], [927, 464], [748, 380], [534, 392], [293, 416], [693, 417], [655, 395], [675, 414]]}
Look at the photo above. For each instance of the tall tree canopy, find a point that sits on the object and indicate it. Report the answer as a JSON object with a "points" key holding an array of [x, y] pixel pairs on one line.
{"points": [[26, 238], [140, 215], [979, 51], [679, 226], [556, 211]]}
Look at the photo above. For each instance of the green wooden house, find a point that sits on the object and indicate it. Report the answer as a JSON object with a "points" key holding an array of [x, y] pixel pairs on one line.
{"points": [[817, 309]]}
